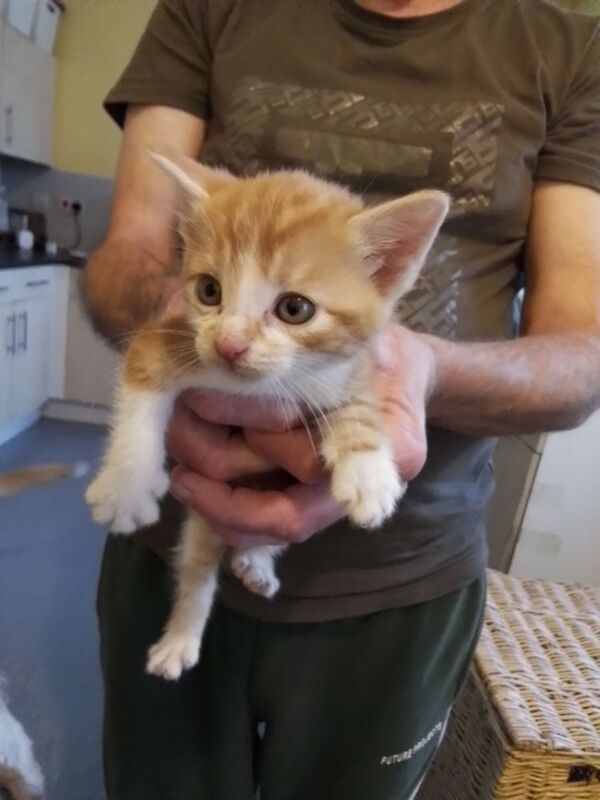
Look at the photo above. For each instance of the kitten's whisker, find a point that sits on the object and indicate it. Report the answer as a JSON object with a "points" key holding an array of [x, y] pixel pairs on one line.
{"points": [[300, 413]]}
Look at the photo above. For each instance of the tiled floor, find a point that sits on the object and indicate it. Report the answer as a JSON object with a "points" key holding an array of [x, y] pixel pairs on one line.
{"points": [[49, 560]]}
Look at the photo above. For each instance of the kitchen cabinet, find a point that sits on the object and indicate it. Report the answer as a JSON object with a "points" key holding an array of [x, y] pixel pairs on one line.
{"points": [[7, 334], [26, 97], [29, 380], [29, 344], [20, 14], [25, 324]]}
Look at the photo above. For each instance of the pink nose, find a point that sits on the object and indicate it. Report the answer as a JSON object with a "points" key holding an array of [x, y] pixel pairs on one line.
{"points": [[230, 350]]}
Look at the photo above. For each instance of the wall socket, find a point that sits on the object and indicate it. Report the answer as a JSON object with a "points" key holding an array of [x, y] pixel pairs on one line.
{"points": [[70, 204]]}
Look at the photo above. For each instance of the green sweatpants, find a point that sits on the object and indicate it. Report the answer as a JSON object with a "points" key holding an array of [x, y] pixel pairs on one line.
{"points": [[346, 710]]}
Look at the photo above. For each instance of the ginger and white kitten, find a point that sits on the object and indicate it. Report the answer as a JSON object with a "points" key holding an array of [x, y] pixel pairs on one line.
{"points": [[287, 281]]}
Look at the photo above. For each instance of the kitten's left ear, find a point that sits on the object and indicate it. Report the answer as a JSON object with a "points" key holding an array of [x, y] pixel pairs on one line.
{"points": [[396, 237], [197, 180]]}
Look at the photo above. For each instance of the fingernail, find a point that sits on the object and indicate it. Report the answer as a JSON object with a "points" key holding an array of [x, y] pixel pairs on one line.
{"points": [[181, 492]]}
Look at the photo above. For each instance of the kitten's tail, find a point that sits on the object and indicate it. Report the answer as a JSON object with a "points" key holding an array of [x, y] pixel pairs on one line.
{"points": [[16, 480]]}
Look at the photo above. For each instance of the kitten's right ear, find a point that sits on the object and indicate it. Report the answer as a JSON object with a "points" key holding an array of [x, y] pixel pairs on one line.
{"points": [[197, 180]]}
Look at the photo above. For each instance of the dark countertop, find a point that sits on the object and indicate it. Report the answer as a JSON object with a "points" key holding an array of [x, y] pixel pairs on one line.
{"points": [[12, 258]]}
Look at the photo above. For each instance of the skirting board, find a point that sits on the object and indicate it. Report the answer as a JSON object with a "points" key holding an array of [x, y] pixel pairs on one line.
{"points": [[74, 411]]}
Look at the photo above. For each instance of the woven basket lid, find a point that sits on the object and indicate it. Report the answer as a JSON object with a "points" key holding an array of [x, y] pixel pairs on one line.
{"points": [[539, 657]]}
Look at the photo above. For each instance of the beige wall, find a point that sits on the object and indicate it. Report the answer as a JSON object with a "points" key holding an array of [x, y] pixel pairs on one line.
{"points": [[95, 40]]}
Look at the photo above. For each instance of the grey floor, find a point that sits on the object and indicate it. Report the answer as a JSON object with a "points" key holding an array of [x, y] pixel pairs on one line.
{"points": [[49, 560]]}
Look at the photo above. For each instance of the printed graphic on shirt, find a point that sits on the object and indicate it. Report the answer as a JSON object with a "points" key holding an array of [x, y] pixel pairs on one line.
{"points": [[378, 148], [371, 144]]}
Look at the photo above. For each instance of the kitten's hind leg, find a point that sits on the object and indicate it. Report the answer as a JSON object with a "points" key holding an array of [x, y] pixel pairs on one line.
{"points": [[256, 569], [197, 566]]}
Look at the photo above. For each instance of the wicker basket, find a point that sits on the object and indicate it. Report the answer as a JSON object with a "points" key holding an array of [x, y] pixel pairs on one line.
{"points": [[527, 724]]}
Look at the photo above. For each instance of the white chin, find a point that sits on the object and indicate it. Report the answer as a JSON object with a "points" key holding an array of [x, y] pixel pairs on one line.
{"points": [[223, 379]]}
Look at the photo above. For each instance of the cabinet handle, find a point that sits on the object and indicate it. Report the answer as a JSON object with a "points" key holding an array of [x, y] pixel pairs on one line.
{"points": [[32, 284], [4, 288], [8, 119], [22, 344], [10, 339], [26, 331]]}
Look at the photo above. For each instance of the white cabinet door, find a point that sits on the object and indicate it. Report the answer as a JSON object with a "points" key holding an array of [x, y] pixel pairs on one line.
{"points": [[30, 366], [27, 75], [2, 25], [20, 15], [7, 346]]}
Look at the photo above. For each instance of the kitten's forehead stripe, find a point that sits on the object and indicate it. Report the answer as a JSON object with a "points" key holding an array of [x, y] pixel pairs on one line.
{"points": [[264, 214]]}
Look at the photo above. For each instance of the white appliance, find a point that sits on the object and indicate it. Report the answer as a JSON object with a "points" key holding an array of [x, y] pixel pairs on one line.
{"points": [[46, 23], [21, 14]]}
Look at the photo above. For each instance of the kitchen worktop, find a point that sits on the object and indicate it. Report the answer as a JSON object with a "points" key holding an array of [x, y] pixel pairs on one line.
{"points": [[12, 258]]}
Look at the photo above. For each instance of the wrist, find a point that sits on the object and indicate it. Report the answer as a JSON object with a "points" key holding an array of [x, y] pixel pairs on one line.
{"points": [[441, 360]]}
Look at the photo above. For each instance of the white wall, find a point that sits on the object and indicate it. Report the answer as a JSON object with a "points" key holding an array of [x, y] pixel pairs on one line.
{"points": [[560, 536]]}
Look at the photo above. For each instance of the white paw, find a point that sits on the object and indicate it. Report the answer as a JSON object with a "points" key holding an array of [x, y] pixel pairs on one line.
{"points": [[367, 486], [172, 655], [126, 501], [256, 573]]}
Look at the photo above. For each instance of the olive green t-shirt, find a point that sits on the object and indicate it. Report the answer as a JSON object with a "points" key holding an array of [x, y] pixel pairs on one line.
{"points": [[480, 100]]}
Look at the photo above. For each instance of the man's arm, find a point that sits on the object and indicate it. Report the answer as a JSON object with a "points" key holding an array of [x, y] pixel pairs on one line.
{"points": [[550, 378], [133, 274]]}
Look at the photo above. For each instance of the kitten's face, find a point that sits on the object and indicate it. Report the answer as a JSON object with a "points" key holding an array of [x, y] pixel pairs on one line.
{"points": [[287, 276], [275, 287]]}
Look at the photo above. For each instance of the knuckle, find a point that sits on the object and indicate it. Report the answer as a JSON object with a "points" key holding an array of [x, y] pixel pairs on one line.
{"points": [[309, 469], [293, 529], [217, 466], [412, 459]]}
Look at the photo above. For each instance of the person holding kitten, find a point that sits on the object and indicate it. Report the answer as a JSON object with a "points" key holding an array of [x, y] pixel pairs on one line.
{"points": [[340, 686]]}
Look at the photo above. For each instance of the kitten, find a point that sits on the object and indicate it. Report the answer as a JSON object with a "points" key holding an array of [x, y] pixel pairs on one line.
{"points": [[287, 281], [16, 480]]}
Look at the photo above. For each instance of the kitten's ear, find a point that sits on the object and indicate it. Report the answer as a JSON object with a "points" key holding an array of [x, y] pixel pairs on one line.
{"points": [[197, 180], [396, 237]]}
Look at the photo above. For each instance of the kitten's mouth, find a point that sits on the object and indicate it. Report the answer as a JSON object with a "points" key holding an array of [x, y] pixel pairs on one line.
{"points": [[241, 370]]}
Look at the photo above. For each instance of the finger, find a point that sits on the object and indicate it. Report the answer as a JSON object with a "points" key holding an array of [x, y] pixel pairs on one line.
{"points": [[264, 414], [289, 516], [404, 419], [295, 452], [214, 450]]}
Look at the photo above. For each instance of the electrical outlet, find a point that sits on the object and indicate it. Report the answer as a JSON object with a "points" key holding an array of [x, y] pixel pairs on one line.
{"points": [[72, 204]]}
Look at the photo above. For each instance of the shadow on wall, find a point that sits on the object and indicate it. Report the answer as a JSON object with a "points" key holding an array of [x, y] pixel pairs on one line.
{"points": [[37, 188]]}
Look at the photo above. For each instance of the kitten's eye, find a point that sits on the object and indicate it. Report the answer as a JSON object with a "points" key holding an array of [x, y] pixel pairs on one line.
{"points": [[294, 309], [208, 290]]}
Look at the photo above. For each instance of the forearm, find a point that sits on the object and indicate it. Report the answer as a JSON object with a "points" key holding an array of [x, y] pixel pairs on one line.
{"points": [[125, 286], [536, 383]]}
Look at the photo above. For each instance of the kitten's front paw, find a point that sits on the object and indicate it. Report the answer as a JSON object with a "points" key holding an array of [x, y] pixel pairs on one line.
{"points": [[125, 501], [368, 487], [256, 573], [172, 655]]}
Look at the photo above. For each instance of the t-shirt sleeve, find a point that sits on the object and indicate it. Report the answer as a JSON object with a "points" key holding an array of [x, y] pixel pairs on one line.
{"points": [[171, 64], [571, 152]]}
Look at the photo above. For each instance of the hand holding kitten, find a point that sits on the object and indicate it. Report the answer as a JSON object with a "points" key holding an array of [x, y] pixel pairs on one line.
{"points": [[211, 456]]}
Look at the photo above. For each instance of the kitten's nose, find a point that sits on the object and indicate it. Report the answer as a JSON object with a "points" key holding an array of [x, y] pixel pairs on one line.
{"points": [[230, 350]]}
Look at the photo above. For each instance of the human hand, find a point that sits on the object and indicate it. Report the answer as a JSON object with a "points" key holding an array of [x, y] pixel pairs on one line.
{"points": [[212, 454]]}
